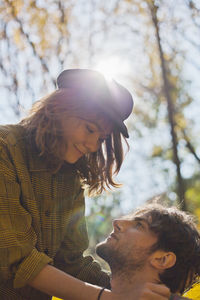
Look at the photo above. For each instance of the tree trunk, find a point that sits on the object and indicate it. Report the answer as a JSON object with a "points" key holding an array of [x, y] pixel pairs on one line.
{"points": [[170, 108]]}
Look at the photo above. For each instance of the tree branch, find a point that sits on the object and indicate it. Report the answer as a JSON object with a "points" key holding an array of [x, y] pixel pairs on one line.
{"points": [[31, 44], [190, 146]]}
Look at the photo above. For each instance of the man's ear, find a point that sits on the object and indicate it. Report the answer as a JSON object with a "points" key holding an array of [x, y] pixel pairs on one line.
{"points": [[162, 260]]}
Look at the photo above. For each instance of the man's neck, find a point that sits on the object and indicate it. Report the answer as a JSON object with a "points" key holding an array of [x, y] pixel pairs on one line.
{"points": [[122, 283]]}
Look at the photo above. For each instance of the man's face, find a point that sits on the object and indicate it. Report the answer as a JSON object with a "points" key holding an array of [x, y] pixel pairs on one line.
{"points": [[128, 245]]}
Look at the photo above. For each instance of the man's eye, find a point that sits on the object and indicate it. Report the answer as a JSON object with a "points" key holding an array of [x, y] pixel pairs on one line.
{"points": [[90, 130], [138, 224]]}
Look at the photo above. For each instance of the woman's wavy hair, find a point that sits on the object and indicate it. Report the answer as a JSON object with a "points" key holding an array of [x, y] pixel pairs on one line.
{"points": [[43, 124], [176, 232]]}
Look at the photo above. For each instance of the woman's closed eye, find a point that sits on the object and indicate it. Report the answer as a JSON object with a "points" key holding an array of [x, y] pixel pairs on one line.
{"points": [[89, 129]]}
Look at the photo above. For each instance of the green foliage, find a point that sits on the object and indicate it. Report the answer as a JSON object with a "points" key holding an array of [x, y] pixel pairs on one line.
{"points": [[193, 194], [103, 210]]}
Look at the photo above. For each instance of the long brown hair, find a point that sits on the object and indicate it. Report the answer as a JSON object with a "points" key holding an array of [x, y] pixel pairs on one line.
{"points": [[44, 128]]}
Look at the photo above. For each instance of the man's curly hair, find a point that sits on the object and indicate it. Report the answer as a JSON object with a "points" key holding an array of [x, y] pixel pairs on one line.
{"points": [[176, 232]]}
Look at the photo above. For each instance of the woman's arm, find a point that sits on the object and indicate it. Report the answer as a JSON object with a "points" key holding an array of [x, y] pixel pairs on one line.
{"points": [[54, 282], [57, 283], [69, 257]]}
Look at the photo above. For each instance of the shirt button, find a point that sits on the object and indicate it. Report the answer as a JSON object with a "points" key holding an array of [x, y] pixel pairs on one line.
{"points": [[47, 213]]}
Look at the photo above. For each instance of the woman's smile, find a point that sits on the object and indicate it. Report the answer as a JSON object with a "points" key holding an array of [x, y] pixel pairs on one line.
{"points": [[78, 150]]}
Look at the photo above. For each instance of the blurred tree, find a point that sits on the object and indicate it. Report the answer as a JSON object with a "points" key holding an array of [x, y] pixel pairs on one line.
{"points": [[176, 94], [35, 43], [169, 90], [163, 88], [103, 211], [40, 38]]}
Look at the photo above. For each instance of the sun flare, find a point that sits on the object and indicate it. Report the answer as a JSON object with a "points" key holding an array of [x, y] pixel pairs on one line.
{"points": [[113, 67]]}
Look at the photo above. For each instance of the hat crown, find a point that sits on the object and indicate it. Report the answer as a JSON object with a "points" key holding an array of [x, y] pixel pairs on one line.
{"points": [[111, 97]]}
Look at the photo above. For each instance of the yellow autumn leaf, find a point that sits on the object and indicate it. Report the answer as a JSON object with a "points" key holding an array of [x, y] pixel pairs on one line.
{"points": [[157, 151], [18, 39]]}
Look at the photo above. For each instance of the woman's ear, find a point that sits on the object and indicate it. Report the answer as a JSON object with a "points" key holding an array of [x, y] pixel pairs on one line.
{"points": [[162, 260]]}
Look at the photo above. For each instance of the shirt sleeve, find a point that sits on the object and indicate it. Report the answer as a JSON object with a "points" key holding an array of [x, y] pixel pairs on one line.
{"points": [[19, 259], [70, 257]]}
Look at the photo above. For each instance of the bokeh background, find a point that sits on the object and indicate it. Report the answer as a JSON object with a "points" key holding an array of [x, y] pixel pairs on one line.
{"points": [[153, 48]]}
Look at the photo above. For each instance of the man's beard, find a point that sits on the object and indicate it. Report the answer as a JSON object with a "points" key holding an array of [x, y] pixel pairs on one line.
{"points": [[122, 262]]}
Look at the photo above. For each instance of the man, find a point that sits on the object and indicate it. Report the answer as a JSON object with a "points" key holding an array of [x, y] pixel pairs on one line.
{"points": [[156, 245]]}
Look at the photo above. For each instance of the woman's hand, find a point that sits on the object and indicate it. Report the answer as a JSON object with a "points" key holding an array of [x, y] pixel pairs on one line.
{"points": [[147, 291], [153, 291]]}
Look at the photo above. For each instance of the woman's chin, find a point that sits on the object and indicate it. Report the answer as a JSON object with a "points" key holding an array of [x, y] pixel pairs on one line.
{"points": [[72, 160]]}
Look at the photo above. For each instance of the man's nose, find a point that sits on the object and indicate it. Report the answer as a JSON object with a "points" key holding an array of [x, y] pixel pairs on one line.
{"points": [[121, 224]]}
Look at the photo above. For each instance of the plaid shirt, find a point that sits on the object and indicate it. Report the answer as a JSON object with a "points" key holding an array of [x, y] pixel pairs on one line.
{"points": [[41, 219]]}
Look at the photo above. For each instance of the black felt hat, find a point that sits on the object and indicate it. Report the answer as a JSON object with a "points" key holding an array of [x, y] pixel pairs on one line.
{"points": [[110, 96]]}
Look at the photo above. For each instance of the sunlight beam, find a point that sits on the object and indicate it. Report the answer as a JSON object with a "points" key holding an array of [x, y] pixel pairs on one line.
{"points": [[113, 67]]}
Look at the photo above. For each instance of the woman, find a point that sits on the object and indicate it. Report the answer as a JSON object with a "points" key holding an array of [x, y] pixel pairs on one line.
{"points": [[71, 139]]}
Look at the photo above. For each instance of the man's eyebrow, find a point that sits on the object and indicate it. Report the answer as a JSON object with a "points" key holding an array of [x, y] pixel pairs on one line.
{"points": [[142, 220]]}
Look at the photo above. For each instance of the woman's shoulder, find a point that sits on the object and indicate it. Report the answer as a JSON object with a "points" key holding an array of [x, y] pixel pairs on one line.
{"points": [[11, 134]]}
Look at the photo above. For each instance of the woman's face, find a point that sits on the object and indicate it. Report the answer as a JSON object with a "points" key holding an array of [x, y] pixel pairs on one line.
{"points": [[83, 136]]}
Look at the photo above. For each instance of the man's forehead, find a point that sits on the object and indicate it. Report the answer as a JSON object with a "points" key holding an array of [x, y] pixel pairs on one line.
{"points": [[138, 215], [144, 217]]}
